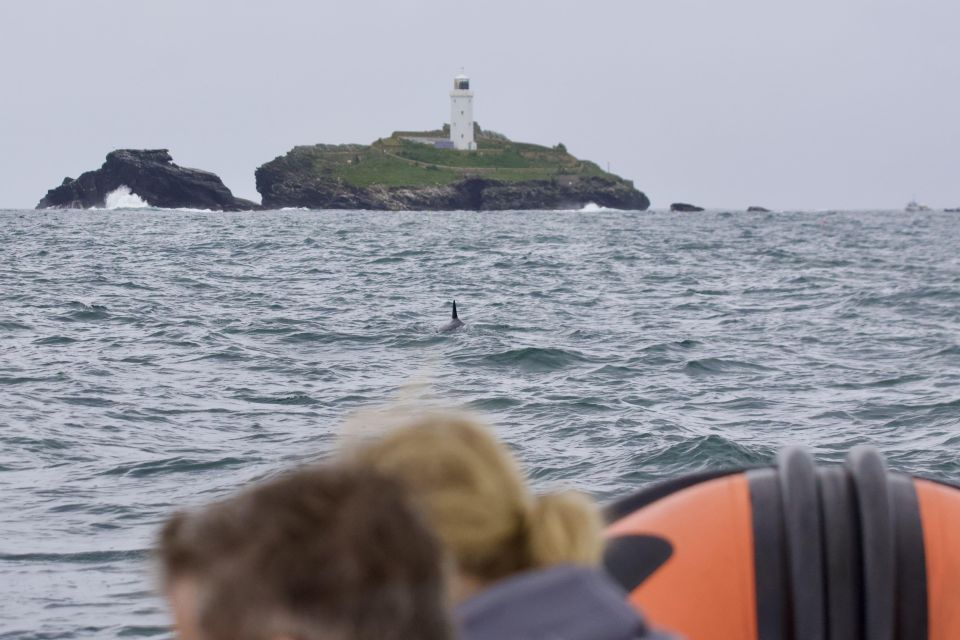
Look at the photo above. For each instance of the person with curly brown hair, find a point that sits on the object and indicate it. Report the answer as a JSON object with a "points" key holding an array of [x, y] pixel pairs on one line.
{"points": [[322, 553]]}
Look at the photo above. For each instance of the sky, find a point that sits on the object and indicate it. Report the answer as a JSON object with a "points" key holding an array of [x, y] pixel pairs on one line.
{"points": [[813, 104]]}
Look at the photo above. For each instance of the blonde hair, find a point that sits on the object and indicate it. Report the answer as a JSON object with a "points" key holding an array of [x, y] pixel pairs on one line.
{"points": [[475, 496]]}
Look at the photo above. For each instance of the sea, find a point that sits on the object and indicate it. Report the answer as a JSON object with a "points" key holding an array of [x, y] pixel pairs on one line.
{"points": [[156, 360]]}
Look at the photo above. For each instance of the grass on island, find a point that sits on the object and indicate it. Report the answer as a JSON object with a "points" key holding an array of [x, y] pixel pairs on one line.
{"points": [[396, 162]]}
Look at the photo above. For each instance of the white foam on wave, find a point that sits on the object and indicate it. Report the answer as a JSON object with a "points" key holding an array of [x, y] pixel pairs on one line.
{"points": [[593, 206], [124, 198]]}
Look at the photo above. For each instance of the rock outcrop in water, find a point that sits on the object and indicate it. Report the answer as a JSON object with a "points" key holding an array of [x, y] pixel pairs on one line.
{"points": [[684, 207], [284, 190], [151, 175], [756, 209], [409, 176]]}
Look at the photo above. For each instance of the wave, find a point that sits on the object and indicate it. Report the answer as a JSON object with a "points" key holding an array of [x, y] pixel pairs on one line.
{"points": [[676, 345], [699, 453], [231, 354], [11, 380], [124, 198], [55, 340], [87, 401], [719, 366], [301, 399], [188, 210], [327, 338], [882, 383], [174, 465], [81, 557], [592, 207], [14, 326], [85, 313], [536, 359], [494, 403]]}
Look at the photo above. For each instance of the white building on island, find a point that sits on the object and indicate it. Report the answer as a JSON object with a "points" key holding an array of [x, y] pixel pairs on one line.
{"points": [[461, 114]]}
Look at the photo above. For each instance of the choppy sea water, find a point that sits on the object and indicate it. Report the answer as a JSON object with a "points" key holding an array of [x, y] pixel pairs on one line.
{"points": [[153, 359]]}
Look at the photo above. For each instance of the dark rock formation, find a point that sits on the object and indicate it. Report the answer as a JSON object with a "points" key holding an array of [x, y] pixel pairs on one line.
{"points": [[288, 182], [558, 194], [957, 210], [682, 206], [478, 194], [151, 175], [758, 210]]}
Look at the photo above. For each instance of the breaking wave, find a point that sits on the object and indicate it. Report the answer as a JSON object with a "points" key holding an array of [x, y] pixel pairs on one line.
{"points": [[591, 207], [124, 198]]}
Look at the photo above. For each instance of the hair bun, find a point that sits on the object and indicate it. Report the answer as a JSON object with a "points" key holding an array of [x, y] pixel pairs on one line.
{"points": [[564, 528]]}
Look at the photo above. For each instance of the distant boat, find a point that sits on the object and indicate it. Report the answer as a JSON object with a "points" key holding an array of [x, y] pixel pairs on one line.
{"points": [[913, 206]]}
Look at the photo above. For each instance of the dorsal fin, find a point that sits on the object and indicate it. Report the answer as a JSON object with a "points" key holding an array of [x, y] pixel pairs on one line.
{"points": [[454, 310]]}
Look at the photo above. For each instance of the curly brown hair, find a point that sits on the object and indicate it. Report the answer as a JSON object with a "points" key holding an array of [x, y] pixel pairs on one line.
{"points": [[323, 552]]}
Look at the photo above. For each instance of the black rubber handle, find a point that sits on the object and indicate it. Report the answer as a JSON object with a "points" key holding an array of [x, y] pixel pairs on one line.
{"points": [[801, 516], [869, 473], [841, 535]]}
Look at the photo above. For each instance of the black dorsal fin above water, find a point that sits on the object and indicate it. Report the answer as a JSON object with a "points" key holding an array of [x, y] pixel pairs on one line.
{"points": [[455, 322]]}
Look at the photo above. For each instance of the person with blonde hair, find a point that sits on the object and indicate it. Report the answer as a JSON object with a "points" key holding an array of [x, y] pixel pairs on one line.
{"points": [[525, 565]]}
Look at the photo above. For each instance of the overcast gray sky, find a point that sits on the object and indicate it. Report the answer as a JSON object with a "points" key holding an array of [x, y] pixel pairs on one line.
{"points": [[805, 104]]}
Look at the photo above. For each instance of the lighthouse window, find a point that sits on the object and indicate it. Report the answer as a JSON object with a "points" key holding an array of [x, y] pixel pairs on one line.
{"points": [[461, 113]]}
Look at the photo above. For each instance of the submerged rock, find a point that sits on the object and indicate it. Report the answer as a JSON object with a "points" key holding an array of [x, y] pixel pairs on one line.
{"points": [[683, 206], [153, 177], [756, 209]]}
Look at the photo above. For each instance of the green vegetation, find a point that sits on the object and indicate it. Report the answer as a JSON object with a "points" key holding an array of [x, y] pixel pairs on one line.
{"points": [[397, 161]]}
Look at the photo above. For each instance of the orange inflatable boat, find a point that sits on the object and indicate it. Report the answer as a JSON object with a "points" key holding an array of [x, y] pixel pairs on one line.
{"points": [[793, 552]]}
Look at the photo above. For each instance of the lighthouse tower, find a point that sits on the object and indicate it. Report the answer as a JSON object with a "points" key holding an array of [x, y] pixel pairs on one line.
{"points": [[461, 114]]}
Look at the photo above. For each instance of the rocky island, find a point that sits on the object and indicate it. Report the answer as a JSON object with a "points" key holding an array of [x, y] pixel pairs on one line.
{"points": [[459, 166], [151, 175], [415, 171]]}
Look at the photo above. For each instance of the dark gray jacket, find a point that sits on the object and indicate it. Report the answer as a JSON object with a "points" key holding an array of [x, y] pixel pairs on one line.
{"points": [[560, 603]]}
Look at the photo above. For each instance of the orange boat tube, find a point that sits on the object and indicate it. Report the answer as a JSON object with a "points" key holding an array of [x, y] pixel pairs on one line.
{"points": [[793, 552]]}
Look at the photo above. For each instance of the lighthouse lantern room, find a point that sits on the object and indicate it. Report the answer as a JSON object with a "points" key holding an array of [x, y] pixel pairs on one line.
{"points": [[461, 114]]}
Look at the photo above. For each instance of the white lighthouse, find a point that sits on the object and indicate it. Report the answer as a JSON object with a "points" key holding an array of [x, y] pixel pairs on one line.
{"points": [[461, 114]]}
